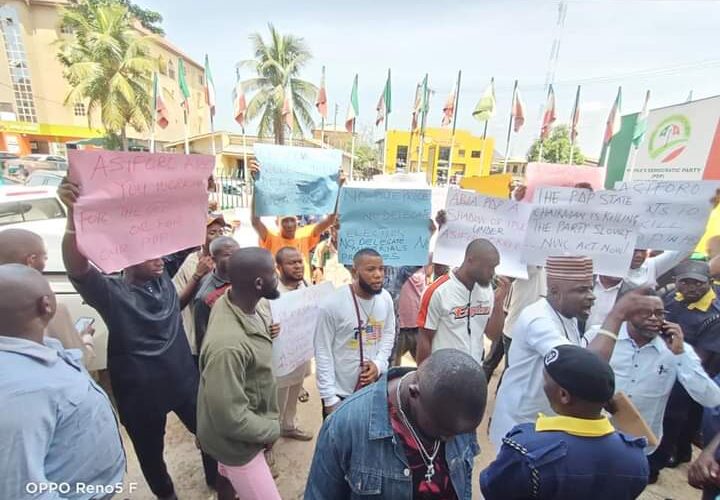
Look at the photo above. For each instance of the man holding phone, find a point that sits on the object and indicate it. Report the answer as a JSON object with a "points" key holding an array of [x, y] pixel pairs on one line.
{"points": [[650, 355]]}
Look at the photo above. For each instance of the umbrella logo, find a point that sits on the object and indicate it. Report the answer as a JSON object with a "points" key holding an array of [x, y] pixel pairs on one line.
{"points": [[670, 138]]}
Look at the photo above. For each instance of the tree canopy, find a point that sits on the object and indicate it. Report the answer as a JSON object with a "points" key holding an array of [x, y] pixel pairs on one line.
{"points": [[556, 148]]}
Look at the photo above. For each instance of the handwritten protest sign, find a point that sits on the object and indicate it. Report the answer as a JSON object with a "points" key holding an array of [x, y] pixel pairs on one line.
{"points": [[491, 185], [470, 216], [601, 225], [138, 206], [555, 174], [296, 181], [674, 213], [297, 312], [395, 222]]}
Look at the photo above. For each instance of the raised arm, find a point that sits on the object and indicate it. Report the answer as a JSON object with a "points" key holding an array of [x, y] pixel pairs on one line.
{"points": [[257, 224], [328, 221], [76, 264]]}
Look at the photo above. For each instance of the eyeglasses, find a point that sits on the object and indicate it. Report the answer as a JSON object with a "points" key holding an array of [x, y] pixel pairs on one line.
{"points": [[659, 314]]}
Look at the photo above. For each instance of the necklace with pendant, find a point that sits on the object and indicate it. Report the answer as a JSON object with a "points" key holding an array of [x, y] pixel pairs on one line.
{"points": [[427, 458]]}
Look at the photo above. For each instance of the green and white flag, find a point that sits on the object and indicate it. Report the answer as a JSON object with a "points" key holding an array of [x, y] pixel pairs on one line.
{"points": [[353, 108], [485, 108], [209, 87], [384, 107], [184, 90], [641, 123]]}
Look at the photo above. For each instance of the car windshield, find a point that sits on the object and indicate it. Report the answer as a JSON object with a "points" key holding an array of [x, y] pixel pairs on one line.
{"points": [[12, 212], [44, 180]]}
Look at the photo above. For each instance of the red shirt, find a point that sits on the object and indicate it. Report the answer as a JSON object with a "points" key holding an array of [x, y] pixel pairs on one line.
{"points": [[440, 487]]}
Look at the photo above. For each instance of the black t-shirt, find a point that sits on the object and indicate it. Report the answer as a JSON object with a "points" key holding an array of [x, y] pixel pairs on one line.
{"points": [[210, 289], [149, 358]]}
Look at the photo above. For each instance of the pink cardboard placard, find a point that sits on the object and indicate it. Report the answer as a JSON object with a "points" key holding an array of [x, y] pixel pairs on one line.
{"points": [[138, 206], [559, 174]]}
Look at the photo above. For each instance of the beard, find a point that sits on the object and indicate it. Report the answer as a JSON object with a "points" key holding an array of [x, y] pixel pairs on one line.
{"points": [[367, 288]]}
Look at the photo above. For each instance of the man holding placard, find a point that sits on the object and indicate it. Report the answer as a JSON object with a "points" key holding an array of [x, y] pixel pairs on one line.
{"points": [[289, 235], [460, 308], [356, 333]]}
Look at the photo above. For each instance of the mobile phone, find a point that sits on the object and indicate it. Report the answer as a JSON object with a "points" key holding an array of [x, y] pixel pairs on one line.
{"points": [[83, 322]]}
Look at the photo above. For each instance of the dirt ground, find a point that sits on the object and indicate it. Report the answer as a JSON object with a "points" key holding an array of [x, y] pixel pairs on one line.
{"points": [[294, 457]]}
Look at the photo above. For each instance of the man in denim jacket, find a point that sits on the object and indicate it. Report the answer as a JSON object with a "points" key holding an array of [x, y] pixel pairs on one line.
{"points": [[411, 435]]}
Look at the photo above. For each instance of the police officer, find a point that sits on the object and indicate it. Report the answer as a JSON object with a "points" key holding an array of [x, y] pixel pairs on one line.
{"points": [[577, 454]]}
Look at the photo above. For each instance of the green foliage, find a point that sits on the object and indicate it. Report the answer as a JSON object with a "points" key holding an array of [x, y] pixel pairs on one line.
{"points": [[149, 19], [556, 148], [278, 63], [107, 65], [366, 161]]}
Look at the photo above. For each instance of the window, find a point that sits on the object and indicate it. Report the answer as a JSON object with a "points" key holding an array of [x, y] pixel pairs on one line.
{"points": [[201, 79], [18, 68], [461, 153], [79, 109], [401, 157], [162, 65], [30, 210], [171, 69], [476, 154], [444, 154]]}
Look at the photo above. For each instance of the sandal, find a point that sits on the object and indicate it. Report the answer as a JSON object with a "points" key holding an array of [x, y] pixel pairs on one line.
{"points": [[304, 396]]}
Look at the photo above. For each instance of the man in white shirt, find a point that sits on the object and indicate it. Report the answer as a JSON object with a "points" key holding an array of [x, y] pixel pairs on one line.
{"points": [[356, 332], [522, 294], [544, 325], [645, 271], [649, 356], [459, 308]]}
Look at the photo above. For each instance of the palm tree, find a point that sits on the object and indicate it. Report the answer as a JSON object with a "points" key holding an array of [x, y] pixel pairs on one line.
{"points": [[278, 65], [107, 64]]}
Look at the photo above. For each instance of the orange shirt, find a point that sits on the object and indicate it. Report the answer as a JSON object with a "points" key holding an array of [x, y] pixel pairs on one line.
{"points": [[304, 241]]}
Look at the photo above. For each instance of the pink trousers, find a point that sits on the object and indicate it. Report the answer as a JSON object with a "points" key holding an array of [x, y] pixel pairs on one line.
{"points": [[252, 481]]}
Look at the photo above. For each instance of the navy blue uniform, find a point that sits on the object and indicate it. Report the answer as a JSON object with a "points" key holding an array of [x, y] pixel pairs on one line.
{"points": [[553, 462]]}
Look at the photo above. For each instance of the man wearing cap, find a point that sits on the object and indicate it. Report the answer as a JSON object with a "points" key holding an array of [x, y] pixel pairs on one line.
{"points": [[546, 324], [193, 270], [649, 357], [693, 303], [576, 454], [304, 238]]}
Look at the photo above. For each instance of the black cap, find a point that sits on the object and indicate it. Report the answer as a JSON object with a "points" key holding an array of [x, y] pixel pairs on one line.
{"points": [[581, 372], [694, 270]]}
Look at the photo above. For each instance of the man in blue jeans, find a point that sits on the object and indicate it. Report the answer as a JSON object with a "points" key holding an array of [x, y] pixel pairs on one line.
{"points": [[410, 435]]}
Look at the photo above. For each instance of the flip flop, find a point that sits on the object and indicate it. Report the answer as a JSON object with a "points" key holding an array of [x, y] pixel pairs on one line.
{"points": [[304, 396]]}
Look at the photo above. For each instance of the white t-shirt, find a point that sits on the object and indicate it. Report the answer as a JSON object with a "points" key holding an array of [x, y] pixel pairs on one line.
{"points": [[521, 396], [653, 268], [337, 350], [522, 294], [604, 301], [457, 315]]}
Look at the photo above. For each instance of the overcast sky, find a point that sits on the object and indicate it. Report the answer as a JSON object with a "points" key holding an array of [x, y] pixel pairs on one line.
{"points": [[667, 46]]}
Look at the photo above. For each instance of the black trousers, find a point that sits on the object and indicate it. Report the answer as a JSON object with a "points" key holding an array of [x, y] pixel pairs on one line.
{"points": [[147, 433], [683, 417], [498, 349]]}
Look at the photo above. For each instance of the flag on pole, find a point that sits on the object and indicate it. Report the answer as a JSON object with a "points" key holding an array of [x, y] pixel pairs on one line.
{"points": [[549, 116], [161, 116], [416, 108], [641, 123], [575, 117], [209, 87], [321, 101], [287, 109], [612, 126], [485, 108], [384, 106], [184, 90], [353, 108], [517, 112], [421, 104], [449, 109], [239, 103]]}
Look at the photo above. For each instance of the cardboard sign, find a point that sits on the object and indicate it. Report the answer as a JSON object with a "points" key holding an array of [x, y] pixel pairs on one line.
{"points": [[471, 215], [297, 312], [490, 185], [555, 174], [395, 222], [601, 225], [138, 206], [296, 181], [674, 213]]}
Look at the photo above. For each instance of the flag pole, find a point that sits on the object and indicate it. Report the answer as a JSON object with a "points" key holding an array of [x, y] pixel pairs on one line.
{"points": [[322, 118], [423, 121], [542, 121], [510, 123], [154, 113], [455, 110], [386, 120], [482, 149], [574, 123], [187, 141], [212, 133], [352, 153]]}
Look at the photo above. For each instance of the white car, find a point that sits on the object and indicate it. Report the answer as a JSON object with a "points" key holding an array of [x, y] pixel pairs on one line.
{"points": [[22, 167], [50, 178], [39, 210]]}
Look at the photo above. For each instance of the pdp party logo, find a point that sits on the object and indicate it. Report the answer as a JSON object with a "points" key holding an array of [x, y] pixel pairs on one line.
{"points": [[669, 139]]}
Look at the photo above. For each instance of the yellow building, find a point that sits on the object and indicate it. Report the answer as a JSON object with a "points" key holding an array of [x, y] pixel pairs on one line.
{"points": [[472, 155], [33, 116]]}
